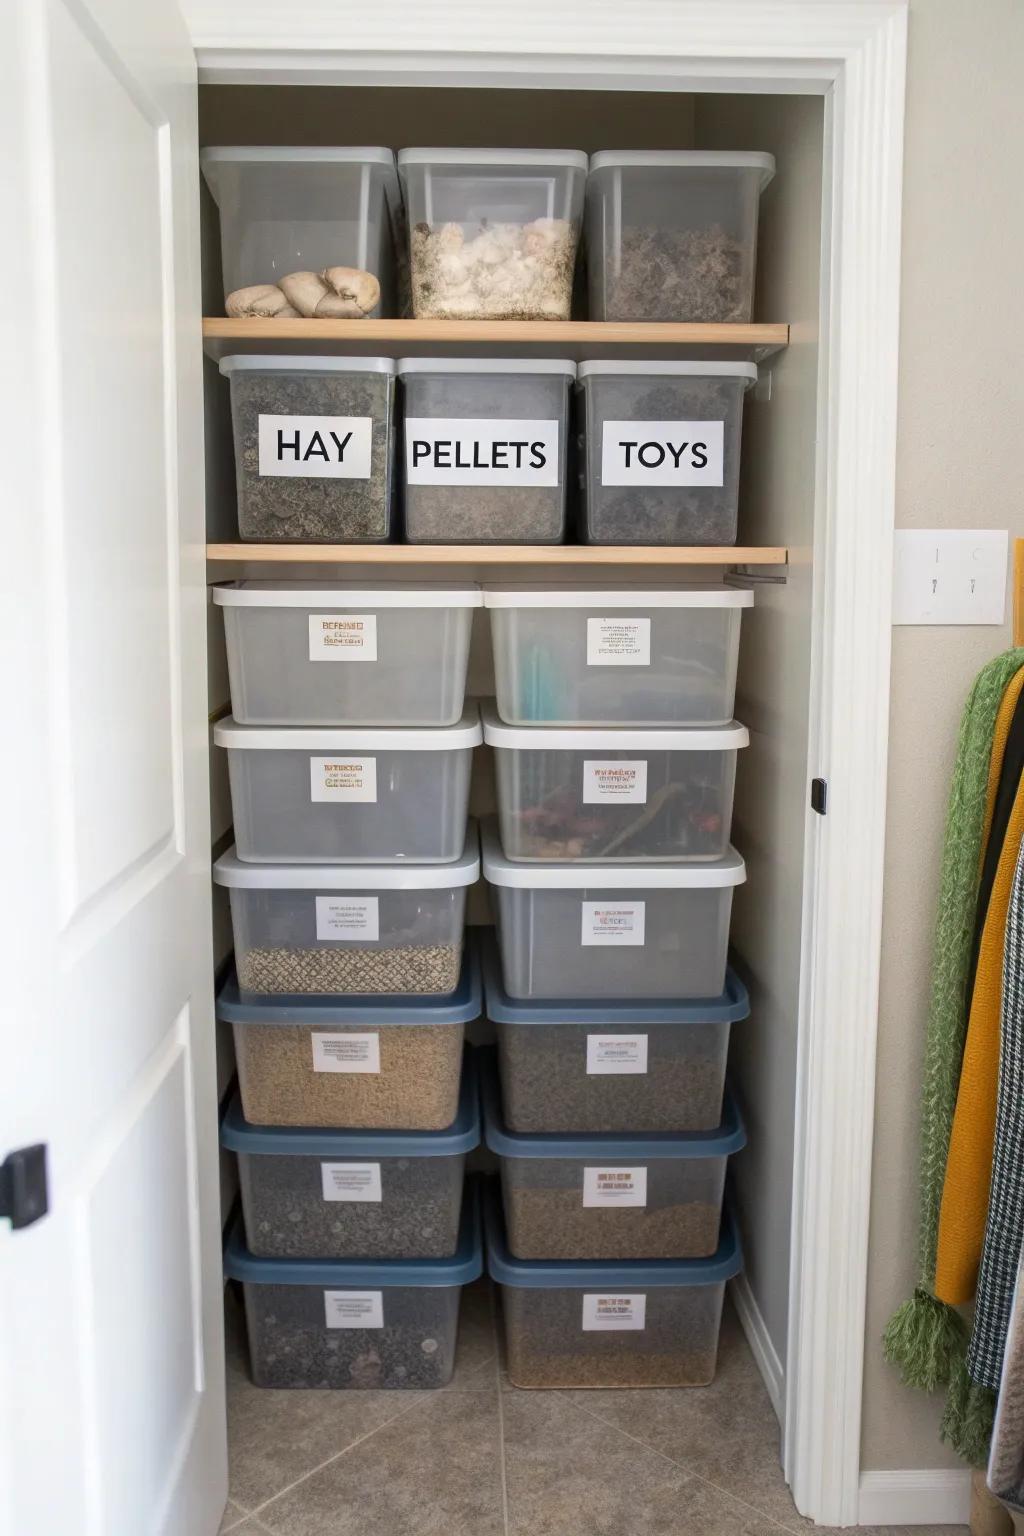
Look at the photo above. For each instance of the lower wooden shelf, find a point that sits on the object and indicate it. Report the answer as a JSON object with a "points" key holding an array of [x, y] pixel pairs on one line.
{"points": [[495, 554]]}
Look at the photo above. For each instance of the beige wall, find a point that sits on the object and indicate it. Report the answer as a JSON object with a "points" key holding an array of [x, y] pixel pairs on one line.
{"points": [[959, 464]]}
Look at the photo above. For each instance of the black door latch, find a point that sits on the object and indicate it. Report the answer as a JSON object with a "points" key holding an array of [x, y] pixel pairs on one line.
{"points": [[819, 796], [23, 1192]]}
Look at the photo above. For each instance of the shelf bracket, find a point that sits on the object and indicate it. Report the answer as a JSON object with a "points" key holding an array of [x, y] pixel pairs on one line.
{"points": [[755, 576]]}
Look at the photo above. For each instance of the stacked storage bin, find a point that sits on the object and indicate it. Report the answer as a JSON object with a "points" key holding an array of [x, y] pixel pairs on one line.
{"points": [[612, 877], [349, 755]]}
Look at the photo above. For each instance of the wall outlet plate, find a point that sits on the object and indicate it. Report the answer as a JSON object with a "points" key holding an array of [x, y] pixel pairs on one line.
{"points": [[950, 576]]}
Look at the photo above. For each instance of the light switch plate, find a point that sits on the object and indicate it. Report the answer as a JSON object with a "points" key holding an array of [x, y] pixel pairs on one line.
{"points": [[950, 576]]}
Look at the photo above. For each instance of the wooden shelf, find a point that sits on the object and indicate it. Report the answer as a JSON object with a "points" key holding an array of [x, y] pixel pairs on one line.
{"points": [[493, 554], [577, 339]]}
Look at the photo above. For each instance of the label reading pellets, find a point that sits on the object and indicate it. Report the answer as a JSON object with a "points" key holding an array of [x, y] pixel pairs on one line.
{"points": [[467, 451], [353, 779], [662, 453], [358, 1182], [615, 779], [621, 924], [354, 1309], [346, 1053], [616, 1055], [618, 642], [316, 447], [611, 1314], [343, 637], [338, 918], [614, 1186]]}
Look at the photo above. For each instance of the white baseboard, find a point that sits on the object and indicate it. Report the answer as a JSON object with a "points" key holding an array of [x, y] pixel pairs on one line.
{"points": [[761, 1346], [930, 1496]]}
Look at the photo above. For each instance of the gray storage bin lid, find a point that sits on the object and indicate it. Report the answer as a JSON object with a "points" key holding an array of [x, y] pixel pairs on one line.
{"points": [[269, 362], [687, 159], [557, 159], [499, 365], [745, 371]]}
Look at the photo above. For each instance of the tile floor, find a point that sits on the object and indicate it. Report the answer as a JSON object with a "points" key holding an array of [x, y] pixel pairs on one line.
{"points": [[483, 1459]]}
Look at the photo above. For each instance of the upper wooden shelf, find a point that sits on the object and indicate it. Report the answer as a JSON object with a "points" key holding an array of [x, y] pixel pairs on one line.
{"points": [[578, 339], [494, 554]]}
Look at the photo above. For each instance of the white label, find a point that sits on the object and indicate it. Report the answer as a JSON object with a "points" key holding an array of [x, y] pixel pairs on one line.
{"points": [[662, 453], [606, 923], [467, 451], [618, 642], [615, 1186], [614, 780], [343, 778], [346, 1053], [316, 447], [337, 918], [343, 637], [616, 1055], [608, 1314], [359, 1182], [354, 1309]]}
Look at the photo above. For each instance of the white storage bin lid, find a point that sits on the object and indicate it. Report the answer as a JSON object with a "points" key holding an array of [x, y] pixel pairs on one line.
{"points": [[486, 365], [297, 154], [266, 362], [498, 870], [560, 159], [231, 871], [688, 159], [520, 738], [745, 371], [333, 594], [351, 738], [536, 596]]}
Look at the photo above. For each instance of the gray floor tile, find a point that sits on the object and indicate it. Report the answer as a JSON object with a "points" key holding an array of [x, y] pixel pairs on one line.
{"points": [[476, 1346], [435, 1471], [232, 1515]]}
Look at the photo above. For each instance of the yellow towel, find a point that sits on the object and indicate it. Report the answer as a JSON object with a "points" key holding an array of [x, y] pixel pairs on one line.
{"points": [[1000, 735]]}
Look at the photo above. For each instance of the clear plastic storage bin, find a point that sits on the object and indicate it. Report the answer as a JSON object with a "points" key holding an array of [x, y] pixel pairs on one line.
{"points": [[362, 795], [370, 1323], [376, 1063], [320, 653], [485, 449], [314, 459], [661, 451], [672, 234], [615, 656], [613, 795], [610, 1323], [348, 928], [597, 1067], [493, 232], [610, 1196], [612, 930], [288, 209], [322, 1194]]}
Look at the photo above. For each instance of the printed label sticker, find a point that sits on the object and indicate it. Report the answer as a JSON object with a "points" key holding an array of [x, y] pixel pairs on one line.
{"points": [[663, 453], [615, 1186], [354, 1309], [618, 642], [358, 1182], [343, 637], [619, 923], [616, 1055], [316, 447], [338, 918], [611, 1314], [467, 451], [346, 1053], [353, 779], [614, 779]]}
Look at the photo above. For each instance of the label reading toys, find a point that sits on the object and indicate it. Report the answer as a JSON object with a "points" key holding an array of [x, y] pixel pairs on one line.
{"points": [[359, 1182], [339, 918], [619, 923], [343, 637], [614, 1314], [467, 451], [614, 779], [662, 453], [618, 642], [354, 1309], [352, 779], [316, 447], [614, 1186], [616, 1055], [346, 1053]]}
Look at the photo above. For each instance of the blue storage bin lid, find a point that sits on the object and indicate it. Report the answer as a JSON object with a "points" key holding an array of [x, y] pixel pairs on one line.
{"points": [[460, 1007], [465, 1265], [727, 1138], [313, 1141], [733, 1004], [604, 1274]]}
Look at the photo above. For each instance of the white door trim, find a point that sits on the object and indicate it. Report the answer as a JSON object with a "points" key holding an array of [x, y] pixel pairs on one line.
{"points": [[852, 52]]}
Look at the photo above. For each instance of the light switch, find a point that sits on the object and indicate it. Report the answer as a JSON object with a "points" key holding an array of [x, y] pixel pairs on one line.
{"points": [[950, 576]]}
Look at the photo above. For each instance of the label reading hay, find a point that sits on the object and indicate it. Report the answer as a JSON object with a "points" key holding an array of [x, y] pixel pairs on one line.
{"points": [[346, 1053], [467, 451], [663, 453], [618, 642], [359, 1182], [616, 1055], [614, 1186], [343, 637], [612, 1314], [316, 447], [339, 918], [620, 923], [354, 1309], [619, 780], [352, 779]]}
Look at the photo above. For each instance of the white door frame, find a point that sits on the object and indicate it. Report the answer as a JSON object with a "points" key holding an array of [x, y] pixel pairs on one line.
{"points": [[853, 54]]}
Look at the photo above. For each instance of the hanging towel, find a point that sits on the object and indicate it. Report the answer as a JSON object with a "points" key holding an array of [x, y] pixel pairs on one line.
{"points": [[923, 1336], [1006, 1458], [1008, 774]]}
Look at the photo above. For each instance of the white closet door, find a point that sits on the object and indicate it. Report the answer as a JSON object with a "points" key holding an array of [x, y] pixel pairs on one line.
{"points": [[111, 1383]]}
